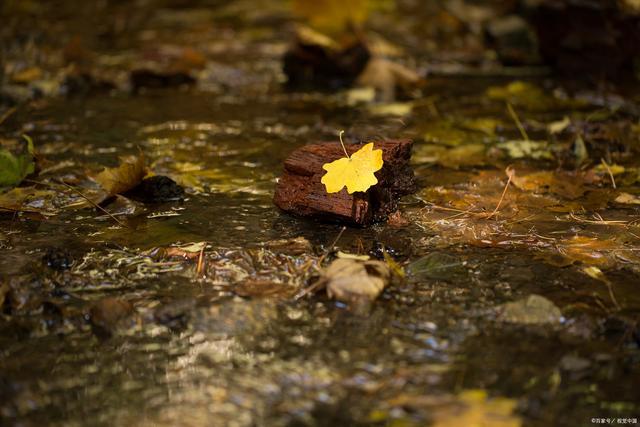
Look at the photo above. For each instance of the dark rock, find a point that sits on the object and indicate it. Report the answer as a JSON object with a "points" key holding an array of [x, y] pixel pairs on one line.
{"points": [[514, 40], [108, 314], [58, 259], [311, 65], [300, 191], [175, 315], [147, 79], [156, 189], [84, 84], [598, 38], [534, 309], [571, 362]]}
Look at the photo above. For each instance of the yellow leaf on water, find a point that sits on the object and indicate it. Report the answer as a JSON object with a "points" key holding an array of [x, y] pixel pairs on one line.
{"points": [[355, 172]]}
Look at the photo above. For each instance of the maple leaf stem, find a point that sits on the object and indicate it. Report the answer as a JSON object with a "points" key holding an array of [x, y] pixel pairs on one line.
{"points": [[343, 147]]}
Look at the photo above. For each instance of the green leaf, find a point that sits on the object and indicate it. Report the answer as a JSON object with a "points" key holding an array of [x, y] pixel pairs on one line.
{"points": [[16, 161]]}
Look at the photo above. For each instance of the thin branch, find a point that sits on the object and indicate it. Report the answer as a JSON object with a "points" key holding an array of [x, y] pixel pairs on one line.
{"points": [[7, 114], [308, 290], [97, 206], [510, 173], [608, 169], [201, 262], [516, 119]]}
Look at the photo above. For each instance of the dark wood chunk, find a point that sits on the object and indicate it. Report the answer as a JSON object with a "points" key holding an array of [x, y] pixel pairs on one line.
{"points": [[300, 191]]}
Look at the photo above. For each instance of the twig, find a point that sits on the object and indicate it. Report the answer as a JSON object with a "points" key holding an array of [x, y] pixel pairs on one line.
{"points": [[330, 248], [7, 114], [97, 206], [201, 261], [516, 119], [510, 172], [608, 169], [308, 290], [611, 295], [444, 208], [600, 221]]}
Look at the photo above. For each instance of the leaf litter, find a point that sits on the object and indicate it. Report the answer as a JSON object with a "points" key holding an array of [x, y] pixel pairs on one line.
{"points": [[556, 213]]}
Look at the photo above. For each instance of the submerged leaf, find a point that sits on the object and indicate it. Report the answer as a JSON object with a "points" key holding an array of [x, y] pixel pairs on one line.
{"points": [[570, 186], [529, 96], [355, 172], [439, 266], [589, 250], [452, 157], [28, 199]]}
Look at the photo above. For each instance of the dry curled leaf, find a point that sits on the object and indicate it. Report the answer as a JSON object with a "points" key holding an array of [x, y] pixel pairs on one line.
{"points": [[123, 178], [352, 280], [627, 199]]}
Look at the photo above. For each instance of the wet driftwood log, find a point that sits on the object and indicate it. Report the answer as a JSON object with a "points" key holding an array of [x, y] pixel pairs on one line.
{"points": [[300, 192]]}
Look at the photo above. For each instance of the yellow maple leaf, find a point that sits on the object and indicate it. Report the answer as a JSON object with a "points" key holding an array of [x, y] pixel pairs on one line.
{"points": [[355, 171]]}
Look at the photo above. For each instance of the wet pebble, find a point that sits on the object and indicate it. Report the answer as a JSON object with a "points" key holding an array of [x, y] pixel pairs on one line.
{"points": [[157, 189], [58, 259], [109, 314], [534, 309]]}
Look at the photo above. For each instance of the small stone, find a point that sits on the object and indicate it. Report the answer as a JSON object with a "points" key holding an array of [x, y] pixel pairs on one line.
{"points": [[58, 259], [108, 314], [574, 363], [157, 189], [534, 309]]}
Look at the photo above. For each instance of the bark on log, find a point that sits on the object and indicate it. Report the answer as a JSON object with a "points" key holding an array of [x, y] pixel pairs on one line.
{"points": [[300, 192]]}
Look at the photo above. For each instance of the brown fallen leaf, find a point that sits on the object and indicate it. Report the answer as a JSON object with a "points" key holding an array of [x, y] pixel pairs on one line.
{"points": [[386, 77], [123, 178], [188, 251], [351, 280], [627, 199], [568, 185], [589, 250], [28, 199]]}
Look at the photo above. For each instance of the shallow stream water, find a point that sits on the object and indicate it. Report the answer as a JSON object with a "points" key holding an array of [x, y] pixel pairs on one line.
{"points": [[197, 351]]}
